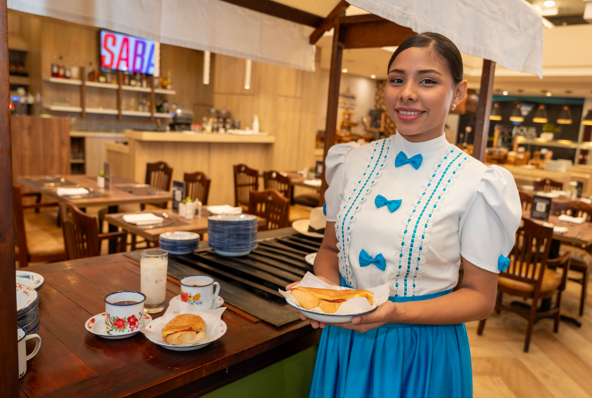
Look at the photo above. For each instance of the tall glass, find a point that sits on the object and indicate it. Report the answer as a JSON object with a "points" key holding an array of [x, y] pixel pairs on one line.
{"points": [[153, 269]]}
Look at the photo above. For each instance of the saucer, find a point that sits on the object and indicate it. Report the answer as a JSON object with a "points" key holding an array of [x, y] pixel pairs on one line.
{"points": [[221, 331], [30, 279], [220, 301], [96, 326]]}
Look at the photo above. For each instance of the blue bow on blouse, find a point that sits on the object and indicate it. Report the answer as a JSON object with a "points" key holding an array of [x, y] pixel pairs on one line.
{"points": [[502, 263], [391, 204], [366, 259], [414, 161]]}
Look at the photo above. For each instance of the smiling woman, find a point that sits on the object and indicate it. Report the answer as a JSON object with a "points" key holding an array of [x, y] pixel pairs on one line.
{"points": [[450, 209]]}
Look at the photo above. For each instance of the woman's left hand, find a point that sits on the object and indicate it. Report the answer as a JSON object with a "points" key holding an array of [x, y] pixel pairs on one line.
{"points": [[383, 314]]}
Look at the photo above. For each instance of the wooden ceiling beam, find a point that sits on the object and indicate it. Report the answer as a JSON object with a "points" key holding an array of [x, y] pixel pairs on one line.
{"points": [[327, 24], [279, 10], [366, 31]]}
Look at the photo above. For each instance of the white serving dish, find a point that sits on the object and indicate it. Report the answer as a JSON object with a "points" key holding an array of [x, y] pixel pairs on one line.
{"points": [[328, 318], [30, 279], [221, 331]]}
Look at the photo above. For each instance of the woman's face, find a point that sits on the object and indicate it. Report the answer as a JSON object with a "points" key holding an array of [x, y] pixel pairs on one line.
{"points": [[420, 92]]}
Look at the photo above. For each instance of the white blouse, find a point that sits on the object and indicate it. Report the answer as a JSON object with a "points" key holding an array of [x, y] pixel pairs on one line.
{"points": [[452, 205]]}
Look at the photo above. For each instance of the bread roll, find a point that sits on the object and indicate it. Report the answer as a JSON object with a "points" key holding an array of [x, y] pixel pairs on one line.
{"points": [[184, 329], [328, 300]]}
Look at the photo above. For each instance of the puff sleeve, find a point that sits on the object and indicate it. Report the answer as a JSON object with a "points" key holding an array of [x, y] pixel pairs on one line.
{"points": [[488, 227], [335, 176]]}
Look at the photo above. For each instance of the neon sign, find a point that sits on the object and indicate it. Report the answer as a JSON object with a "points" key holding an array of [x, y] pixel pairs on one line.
{"points": [[129, 53]]}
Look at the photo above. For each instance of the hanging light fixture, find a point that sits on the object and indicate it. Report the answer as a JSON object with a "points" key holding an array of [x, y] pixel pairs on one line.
{"points": [[517, 115], [588, 119], [541, 115], [565, 116], [206, 68], [248, 75], [495, 112]]}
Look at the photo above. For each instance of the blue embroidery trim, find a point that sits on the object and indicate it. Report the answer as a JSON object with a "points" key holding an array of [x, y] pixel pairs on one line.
{"points": [[502, 263]]}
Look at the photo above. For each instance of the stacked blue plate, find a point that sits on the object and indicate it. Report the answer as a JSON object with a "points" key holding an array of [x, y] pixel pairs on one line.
{"points": [[232, 235], [178, 242], [27, 303]]}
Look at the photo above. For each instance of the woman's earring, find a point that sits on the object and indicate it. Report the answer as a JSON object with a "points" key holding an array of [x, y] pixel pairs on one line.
{"points": [[453, 107]]}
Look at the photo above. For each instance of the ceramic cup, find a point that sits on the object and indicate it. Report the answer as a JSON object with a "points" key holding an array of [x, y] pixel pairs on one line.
{"points": [[22, 349], [123, 312], [200, 291]]}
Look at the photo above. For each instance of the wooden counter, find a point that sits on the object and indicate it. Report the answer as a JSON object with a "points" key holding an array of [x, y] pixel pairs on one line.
{"points": [[213, 154]]}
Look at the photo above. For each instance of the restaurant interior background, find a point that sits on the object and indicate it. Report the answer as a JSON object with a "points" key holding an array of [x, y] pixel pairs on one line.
{"points": [[124, 119]]}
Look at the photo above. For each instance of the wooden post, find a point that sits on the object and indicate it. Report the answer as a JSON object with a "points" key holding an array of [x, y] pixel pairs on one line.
{"points": [[8, 337], [483, 110], [333, 98]]}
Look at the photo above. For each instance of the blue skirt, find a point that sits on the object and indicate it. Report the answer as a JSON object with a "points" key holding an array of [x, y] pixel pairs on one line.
{"points": [[394, 360]]}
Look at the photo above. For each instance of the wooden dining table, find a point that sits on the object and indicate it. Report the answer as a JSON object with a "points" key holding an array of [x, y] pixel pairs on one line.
{"points": [[123, 191], [75, 363], [577, 234], [198, 225]]}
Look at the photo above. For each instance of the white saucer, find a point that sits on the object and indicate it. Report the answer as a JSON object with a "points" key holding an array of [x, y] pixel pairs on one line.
{"points": [[310, 258], [30, 279], [328, 318], [301, 226], [220, 301], [96, 326], [221, 331]]}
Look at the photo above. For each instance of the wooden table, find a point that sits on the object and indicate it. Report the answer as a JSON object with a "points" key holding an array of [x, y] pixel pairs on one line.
{"points": [[74, 363], [120, 193], [198, 225], [298, 179], [577, 234]]}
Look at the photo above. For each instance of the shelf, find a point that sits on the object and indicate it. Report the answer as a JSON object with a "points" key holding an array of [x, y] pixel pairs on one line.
{"points": [[77, 161], [102, 111], [57, 108], [14, 79], [101, 85], [163, 91], [555, 143], [140, 89], [135, 113], [63, 81], [162, 115]]}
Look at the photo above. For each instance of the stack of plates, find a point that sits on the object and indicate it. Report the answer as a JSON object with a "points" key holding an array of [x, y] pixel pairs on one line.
{"points": [[232, 235], [178, 242], [27, 309]]}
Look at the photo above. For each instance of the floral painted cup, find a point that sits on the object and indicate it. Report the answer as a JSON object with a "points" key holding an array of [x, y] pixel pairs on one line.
{"points": [[123, 312], [200, 291]]}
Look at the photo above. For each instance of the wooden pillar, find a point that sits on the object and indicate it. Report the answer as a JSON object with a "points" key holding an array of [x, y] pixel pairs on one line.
{"points": [[333, 97], [8, 337], [483, 110]]}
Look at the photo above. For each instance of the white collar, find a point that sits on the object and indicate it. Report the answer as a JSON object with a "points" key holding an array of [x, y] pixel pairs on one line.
{"points": [[424, 147]]}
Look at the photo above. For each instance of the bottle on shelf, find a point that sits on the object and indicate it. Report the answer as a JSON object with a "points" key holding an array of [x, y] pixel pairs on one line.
{"points": [[91, 73], [126, 79], [55, 67], [164, 83], [74, 70], [102, 77], [109, 76], [144, 81], [132, 80], [67, 70], [61, 69], [169, 85]]}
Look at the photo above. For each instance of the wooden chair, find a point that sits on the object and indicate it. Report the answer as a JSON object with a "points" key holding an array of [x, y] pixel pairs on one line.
{"points": [[528, 276], [581, 259], [26, 254], [160, 176], [271, 205], [281, 183], [81, 235], [197, 186], [569, 208], [525, 201], [548, 185], [245, 181]]}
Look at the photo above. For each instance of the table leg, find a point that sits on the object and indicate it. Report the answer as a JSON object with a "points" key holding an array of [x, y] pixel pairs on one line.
{"points": [[112, 228]]}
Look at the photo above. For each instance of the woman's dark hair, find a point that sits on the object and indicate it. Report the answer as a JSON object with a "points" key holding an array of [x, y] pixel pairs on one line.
{"points": [[442, 46]]}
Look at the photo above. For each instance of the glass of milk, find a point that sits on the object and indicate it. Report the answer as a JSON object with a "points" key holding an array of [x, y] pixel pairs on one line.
{"points": [[153, 269]]}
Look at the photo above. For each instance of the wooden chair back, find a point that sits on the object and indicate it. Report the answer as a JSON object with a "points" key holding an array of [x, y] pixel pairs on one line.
{"points": [[245, 181], [160, 176], [281, 183], [570, 208], [525, 200], [271, 205], [585, 210], [81, 234], [530, 253], [548, 185], [197, 186]]}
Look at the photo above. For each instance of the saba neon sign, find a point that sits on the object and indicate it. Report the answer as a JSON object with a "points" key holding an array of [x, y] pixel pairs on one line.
{"points": [[129, 53]]}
